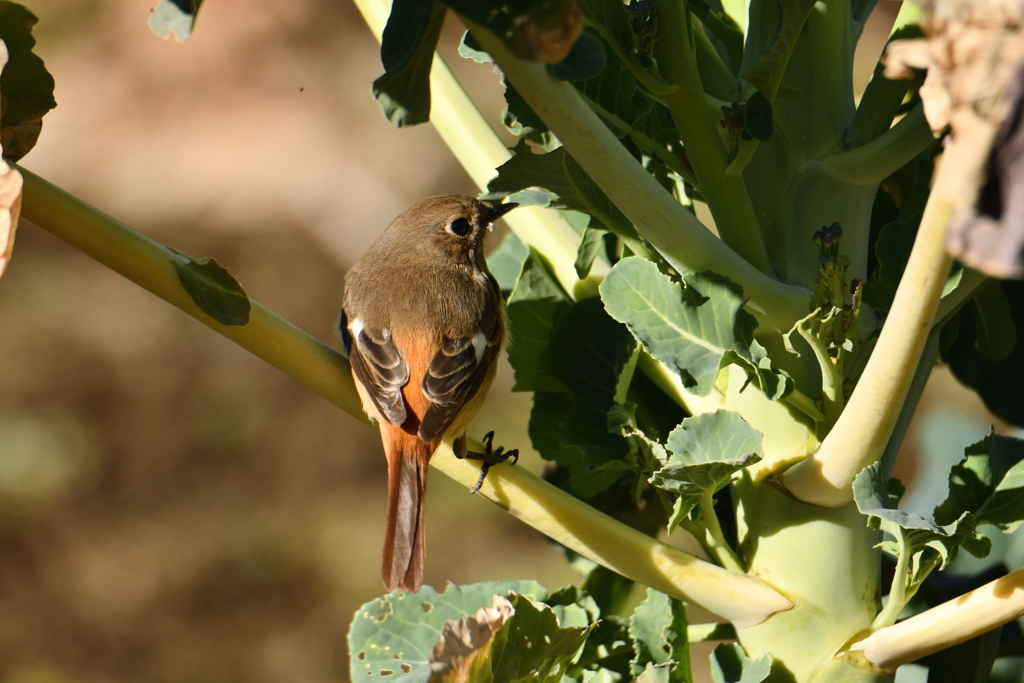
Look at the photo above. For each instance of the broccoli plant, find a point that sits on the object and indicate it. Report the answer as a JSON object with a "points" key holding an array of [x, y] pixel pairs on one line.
{"points": [[727, 285]]}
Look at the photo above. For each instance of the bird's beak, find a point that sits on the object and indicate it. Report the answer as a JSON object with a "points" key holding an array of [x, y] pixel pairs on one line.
{"points": [[500, 210]]}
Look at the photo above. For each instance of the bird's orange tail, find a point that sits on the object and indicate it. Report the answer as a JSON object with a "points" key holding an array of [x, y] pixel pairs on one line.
{"points": [[404, 540]]}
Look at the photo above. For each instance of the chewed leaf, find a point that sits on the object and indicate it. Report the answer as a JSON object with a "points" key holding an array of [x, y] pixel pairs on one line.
{"points": [[988, 483], [535, 645], [658, 631], [877, 498], [175, 16], [213, 289], [526, 169], [391, 638]]}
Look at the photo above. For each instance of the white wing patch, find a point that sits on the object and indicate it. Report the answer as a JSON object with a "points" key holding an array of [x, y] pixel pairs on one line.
{"points": [[479, 346], [356, 326]]}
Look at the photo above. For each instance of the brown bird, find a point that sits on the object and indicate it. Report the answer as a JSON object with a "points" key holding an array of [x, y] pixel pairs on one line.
{"points": [[423, 322]]}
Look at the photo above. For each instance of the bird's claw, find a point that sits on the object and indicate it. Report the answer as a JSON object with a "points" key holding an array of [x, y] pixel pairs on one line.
{"points": [[491, 456]]}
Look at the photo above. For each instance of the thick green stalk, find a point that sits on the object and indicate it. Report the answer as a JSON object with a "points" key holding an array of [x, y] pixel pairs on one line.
{"points": [[824, 560], [874, 162], [862, 432], [676, 233], [735, 596], [725, 193]]}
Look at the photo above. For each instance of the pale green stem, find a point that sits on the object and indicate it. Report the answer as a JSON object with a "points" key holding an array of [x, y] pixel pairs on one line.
{"points": [[676, 233], [480, 151], [714, 539], [737, 597], [940, 627], [726, 194], [805, 405], [647, 143], [897, 591], [877, 160]]}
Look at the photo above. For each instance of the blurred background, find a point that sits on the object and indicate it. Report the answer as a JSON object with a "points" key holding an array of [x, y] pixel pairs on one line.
{"points": [[171, 508]]}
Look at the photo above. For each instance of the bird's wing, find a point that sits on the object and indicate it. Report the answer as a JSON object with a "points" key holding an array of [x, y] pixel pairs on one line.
{"points": [[454, 376], [378, 365]]}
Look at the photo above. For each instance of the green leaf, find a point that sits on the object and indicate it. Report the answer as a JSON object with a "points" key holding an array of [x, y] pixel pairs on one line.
{"points": [[721, 26], [213, 289], [521, 120], [774, 382], [174, 16], [532, 646], [615, 93], [988, 483], [611, 20], [526, 169], [658, 631], [506, 262], [757, 117], [534, 306], [407, 53], [706, 450], [391, 637], [559, 174], [892, 250], [590, 245], [689, 330], [774, 27], [26, 85], [587, 353], [877, 498], [1000, 384], [730, 664], [587, 59]]}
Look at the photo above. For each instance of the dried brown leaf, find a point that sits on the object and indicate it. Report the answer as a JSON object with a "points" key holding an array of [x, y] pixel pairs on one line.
{"points": [[462, 640]]}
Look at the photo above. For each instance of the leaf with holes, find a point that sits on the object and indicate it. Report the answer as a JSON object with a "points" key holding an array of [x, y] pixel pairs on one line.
{"points": [[658, 631], [391, 638], [988, 483]]}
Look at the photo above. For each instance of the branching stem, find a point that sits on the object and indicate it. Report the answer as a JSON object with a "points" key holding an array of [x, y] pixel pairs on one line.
{"points": [[735, 596]]}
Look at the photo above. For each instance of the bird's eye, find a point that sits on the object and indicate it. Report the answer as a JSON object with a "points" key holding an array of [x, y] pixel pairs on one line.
{"points": [[460, 226]]}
